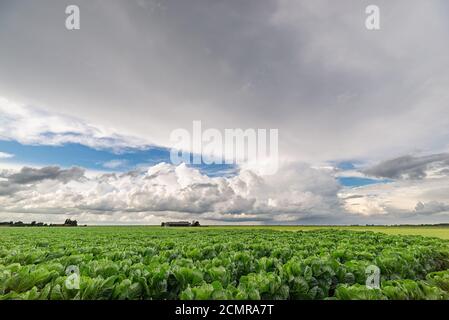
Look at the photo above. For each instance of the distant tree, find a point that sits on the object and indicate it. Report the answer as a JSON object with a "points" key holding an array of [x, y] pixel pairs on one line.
{"points": [[69, 222]]}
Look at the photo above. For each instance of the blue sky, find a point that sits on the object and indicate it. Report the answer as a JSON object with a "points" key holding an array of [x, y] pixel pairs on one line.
{"points": [[358, 181], [73, 154]]}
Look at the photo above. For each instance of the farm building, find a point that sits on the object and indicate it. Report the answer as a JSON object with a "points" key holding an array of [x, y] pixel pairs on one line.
{"points": [[180, 224]]}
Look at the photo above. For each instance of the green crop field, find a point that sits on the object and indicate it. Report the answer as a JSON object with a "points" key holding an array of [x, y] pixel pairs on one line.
{"points": [[427, 231], [223, 263]]}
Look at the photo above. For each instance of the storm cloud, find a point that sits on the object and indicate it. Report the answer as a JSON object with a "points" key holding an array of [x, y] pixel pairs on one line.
{"points": [[308, 68], [410, 167], [32, 175]]}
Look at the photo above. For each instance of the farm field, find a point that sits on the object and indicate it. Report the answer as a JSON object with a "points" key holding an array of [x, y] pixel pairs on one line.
{"points": [[223, 263], [427, 231]]}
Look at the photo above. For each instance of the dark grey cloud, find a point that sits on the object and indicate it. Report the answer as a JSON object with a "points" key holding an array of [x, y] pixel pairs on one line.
{"points": [[409, 167], [27, 178], [7, 189], [430, 208], [29, 175]]}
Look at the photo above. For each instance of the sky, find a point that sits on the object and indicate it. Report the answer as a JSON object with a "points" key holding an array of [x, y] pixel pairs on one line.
{"points": [[86, 115]]}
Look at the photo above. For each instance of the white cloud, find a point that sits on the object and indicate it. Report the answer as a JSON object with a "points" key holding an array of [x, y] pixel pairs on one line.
{"points": [[297, 192], [114, 164], [30, 125], [4, 155], [404, 199]]}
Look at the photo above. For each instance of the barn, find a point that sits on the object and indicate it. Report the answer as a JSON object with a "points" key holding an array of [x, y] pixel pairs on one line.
{"points": [[180, 224]]}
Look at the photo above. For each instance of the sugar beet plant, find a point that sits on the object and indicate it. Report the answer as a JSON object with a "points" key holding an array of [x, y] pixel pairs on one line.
{"points": [[156, 263]]}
